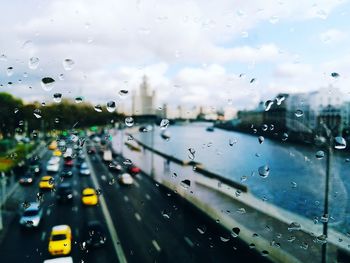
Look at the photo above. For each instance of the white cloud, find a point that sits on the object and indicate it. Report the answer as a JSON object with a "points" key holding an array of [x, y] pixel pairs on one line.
{"points": [[332, 36]]}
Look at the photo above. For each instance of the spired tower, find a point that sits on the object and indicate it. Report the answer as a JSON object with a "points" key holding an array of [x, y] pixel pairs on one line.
{"points": [[143, 101]]}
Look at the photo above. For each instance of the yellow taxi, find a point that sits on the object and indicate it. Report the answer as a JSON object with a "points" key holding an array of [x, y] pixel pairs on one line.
{"points": [[53, 145], [60, 242], [46, 182], [89, 196], [57, 153]]}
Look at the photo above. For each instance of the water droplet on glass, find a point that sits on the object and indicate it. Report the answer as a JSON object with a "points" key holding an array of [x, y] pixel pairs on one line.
{"points": [[298, 113], [25, 204], [164, 124], [37, 113], [252, 80], [78, 99], [321, 239], [291, 238], [241, 210], [123, 92], [280, 99], [264, 171], [335, 75], [319, 154], [9, 71], [340, 143], [191, 154], [304, 245], [294, 226], [47, 83], [98, 108], [68, 64], [165, 214], [27, 44], [261, 139], [231, 142], [202, 229], [57, 120], [15, 110], [224, 238], [127, 162], [33, 62], [284, 136], [57, 97], [3, 57], [61, 76], [268, 105], [129, 121], [185, 183], [273, 19], [235, 232], [111, 106]]}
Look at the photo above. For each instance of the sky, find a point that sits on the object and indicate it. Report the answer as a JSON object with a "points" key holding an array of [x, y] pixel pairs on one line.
{"points": [[220, 53]]}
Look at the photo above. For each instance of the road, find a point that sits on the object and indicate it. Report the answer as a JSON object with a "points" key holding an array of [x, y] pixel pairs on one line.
{"points": [[153, 224]]}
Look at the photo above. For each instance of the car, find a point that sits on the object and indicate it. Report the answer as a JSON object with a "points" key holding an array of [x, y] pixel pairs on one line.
{"points": [[35, 165], [94, 234], [68, 153], [54, 160], [134, 169], [53, 168], [68, 161], [81, 157], [64, 193], [66, 173], [62, 143], [126, 179], [31, 216], [47, 182], [84, 165], [26, 179], [91, 150], [115, 167], [84, 171], [59, 260], [53, 145], [89, 196], [57, 153], [60, 242]]}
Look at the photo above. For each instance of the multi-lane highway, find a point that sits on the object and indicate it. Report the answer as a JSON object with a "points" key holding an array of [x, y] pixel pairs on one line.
{"points": [[145, 221]]}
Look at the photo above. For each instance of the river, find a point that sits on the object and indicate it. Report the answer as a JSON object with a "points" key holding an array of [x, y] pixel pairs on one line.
{"points": [[296, 180]]}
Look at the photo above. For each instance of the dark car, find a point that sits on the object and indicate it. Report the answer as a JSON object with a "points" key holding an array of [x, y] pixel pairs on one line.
{"points": [[64, 192], [35, 166], [66, 173], [26, 179], [68, 161], [94, 234]]}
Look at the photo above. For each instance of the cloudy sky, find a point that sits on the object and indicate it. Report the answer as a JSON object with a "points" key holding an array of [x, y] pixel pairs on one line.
{"points": [[213, 52]]}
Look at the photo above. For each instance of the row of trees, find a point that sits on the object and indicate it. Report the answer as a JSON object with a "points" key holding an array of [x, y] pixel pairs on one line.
{"points": [[15, 116]]}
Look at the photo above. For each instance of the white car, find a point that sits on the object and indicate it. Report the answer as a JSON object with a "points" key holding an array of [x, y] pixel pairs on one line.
{"points": [[54, 160], [31, 216], [59, 260], [53, 167], [126, 179]]}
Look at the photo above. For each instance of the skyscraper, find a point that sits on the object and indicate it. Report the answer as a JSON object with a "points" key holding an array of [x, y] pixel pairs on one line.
{"points": [[143, 100]]}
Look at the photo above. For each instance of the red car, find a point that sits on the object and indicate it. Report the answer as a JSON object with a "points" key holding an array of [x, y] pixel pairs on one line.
{"points": [[134, 170], [68, 162]]}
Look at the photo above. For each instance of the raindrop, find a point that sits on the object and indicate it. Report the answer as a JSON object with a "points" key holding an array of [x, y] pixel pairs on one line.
{"points": [[98, 108], [235, 232], [261, 139], [264, 253], [319, 154], [273, 19], [241, 210], [57, 97], [225, 239], [294, 226], [335, 75], [164, 124], [39, 197], [202, 229], [264, 171], [112, 181], [268, 105], [252, 80], [340, 143], [165, 214], [47, 83], [123, 92], [27, 44], [111, 106], [185, 183], [284, 136], [321, 239], [251, 245], [15, 110], [272, 127], [61, 76], [78, 99], [265, 127], [299, 113], [98, 191], [25, 204], [304, 245], [127, 162], [231, 142], [9, 71], [294, 184], [33, 63], [192, 153], [129, 121], [291, 238], [57, 120], [68, 64], [25, 75], [37, 113], [3, 57], [280, 99]]}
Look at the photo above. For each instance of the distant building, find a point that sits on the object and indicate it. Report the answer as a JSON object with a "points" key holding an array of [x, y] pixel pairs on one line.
{"points": [[143, 100]]}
